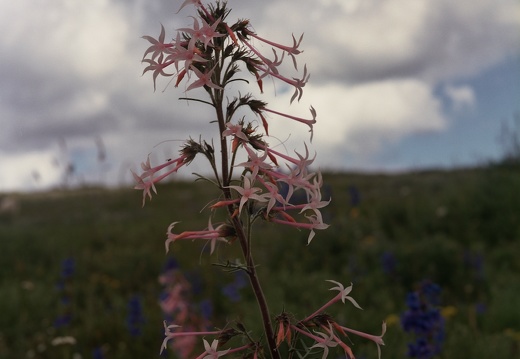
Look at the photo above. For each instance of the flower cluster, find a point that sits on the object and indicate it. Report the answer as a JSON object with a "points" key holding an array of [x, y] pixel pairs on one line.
{"points": [[177, 304], [323, 330], [193, 53], [423, 318], [250, 174], [198, 55], [319, 327]]}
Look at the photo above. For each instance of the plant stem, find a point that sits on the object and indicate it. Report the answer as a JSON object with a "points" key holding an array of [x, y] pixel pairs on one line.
{"points": [[242, 238], [257, 289]]}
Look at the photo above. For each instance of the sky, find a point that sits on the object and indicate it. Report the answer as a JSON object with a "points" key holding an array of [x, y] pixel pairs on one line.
{"points": [[398, 85]]}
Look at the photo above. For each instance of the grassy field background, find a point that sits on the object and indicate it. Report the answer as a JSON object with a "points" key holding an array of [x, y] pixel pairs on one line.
{"points": [[459, 229]]}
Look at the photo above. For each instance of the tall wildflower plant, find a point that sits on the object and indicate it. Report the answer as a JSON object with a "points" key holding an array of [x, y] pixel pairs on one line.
{"points": [[209, 56]]}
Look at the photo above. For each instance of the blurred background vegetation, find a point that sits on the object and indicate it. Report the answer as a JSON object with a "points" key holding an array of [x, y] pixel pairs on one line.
{"points": [[83, 265]]}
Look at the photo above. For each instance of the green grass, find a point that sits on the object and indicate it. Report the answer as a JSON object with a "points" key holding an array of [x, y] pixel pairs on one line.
{"points": [[429, 221]]}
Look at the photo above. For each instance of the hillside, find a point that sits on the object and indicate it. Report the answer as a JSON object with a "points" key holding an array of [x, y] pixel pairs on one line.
{"points": [[84, 255]]}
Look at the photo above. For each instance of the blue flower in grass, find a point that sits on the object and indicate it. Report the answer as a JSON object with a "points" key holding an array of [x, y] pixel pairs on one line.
{"points": [[68, 267], [423, 318], [355, 196], [388, 262], [97, 353], [135, 318], [232, 290]]}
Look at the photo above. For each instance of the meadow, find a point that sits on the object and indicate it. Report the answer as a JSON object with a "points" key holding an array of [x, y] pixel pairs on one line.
{"points": [[80, 267]]}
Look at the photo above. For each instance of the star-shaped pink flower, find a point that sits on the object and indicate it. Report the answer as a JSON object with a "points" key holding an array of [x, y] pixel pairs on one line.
{"points": [[247, 192]]}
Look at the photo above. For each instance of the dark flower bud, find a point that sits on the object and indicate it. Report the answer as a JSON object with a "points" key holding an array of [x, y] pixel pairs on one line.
{"points": [[226, 335], [190, 150]]}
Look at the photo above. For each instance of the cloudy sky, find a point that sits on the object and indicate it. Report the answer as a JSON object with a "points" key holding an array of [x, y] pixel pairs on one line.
{"points": [[397, 84]]}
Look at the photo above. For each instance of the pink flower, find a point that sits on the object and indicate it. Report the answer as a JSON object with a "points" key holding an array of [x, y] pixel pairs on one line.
{"points": [[158, 46], [343, 292], [327, 342], [298, 84], [211, 350], [170, 333], [247, 192], [295, 179], [212, 234], [315, 203], [271, 65], [342, 295], [301, 162], [157, 67], [212, 353], [235, 130], [255, 163], [291, 50], [314, 223], [378, 339], [146, 180], [204, 79], [189, 54], [274, 195], [197, 3], [146, 186], [205, 34], [309, 123], [334, 337], [213, 240], [304, 162], [324, 342]]}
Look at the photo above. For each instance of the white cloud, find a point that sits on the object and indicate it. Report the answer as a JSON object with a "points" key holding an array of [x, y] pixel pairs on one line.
{"points": [[87, 38], [31, 170], [461, 97], [378, 30], [87, 102], [375, 39], [363, 118]]}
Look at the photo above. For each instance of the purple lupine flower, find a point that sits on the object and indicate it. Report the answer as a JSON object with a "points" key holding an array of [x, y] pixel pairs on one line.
{"points": [[206, 309], [480, 308], [171, 264], [355, 196], [388, 262], [431, 292], [68, 267], [135, 318], [423, 318], [62, 320], [97, 353], [232, 290], [475, 262]]}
